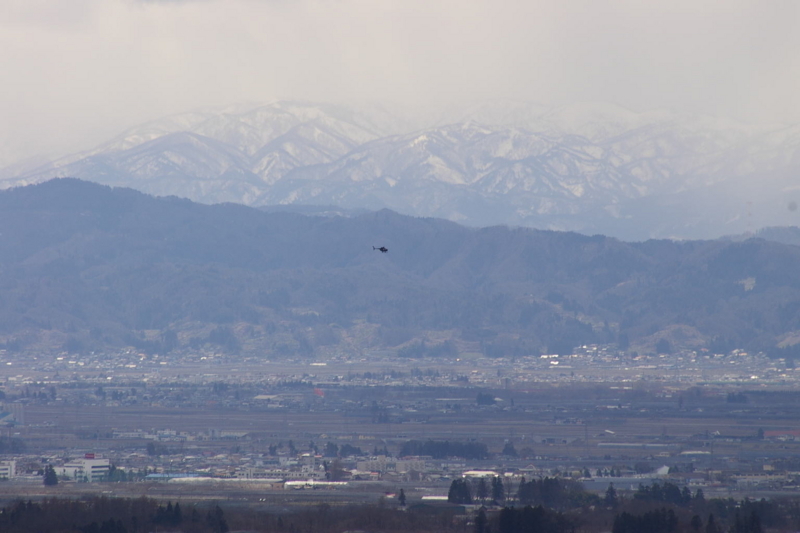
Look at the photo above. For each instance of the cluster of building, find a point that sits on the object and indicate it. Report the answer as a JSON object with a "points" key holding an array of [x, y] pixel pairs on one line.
{"points": [[440, 388], [87, 469]]}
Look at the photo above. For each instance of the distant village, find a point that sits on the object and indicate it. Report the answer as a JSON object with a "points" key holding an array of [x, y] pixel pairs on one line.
{"points": [[91, 419]]}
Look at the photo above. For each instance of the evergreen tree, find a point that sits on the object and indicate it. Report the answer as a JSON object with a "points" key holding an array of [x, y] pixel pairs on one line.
{"points": [[656, 521], [747, 524], [331, 450], [498, 490], [336, 471], [509, 450], [459, 492], [611, 496], [699, 497], [50, 477], [216, 520], [481, 521], [482, 492], [711, 525]]}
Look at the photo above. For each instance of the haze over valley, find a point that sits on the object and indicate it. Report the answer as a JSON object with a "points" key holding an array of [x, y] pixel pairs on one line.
{"points": [[401, 266]]}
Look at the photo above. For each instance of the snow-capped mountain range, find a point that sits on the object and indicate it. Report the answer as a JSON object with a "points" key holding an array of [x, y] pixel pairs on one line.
{"points": [[588, 167]]}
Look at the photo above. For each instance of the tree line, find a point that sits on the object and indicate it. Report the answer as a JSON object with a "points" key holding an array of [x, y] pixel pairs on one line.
{"points": [[108, 515], [662, 507], [140, 515]]}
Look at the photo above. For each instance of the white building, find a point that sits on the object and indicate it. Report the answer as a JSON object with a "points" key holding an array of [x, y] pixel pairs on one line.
{"points": [[479, 474], [85, 469], [8, 469]]}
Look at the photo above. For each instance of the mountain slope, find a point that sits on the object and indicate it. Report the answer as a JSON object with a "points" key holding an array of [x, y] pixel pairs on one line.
{"points": [[588, 167], [226, 155], [86, 267]]}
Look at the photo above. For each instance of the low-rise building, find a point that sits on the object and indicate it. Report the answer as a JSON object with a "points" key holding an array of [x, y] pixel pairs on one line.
{"points": [[8, 469], [89, 470]]}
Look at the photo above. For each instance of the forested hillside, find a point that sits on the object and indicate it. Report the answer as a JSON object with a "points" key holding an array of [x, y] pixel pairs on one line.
{"points": [[87, 267]]}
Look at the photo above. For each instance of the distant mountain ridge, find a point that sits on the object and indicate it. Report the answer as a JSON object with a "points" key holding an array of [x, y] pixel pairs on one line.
{"points": [[588, 167], [85, 267], [783, 235]]}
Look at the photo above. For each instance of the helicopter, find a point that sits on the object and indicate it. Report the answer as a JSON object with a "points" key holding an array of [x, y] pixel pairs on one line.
{"points": [[382, 249]]}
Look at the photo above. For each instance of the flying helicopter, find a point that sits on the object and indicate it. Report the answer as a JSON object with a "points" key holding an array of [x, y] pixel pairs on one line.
{"points": [[382, 249]]}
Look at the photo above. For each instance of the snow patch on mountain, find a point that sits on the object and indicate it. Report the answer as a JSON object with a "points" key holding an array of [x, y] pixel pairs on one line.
{"points": [[587, 166]]}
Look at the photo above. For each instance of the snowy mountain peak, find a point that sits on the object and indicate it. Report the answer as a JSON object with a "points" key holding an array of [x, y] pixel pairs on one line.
{"points": [[589, 166]]}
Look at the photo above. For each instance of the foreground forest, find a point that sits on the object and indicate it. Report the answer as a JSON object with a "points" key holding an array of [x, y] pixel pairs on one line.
{"points": [[84, 267], [653, 509]]}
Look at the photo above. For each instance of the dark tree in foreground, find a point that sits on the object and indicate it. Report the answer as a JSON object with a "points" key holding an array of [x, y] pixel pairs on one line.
{"points": [[657, 521], [459, 492], [50, 477], [711, 525], [216, 520], [402, 498], [482, 491], [485, 398], [481, 521], [747, 524], [611, 496], [538, 519], [554, 493], [139, 515], [498, 490]]}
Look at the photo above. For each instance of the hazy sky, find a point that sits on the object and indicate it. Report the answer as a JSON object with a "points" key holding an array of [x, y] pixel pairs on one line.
{"points": [[79, 71]]}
